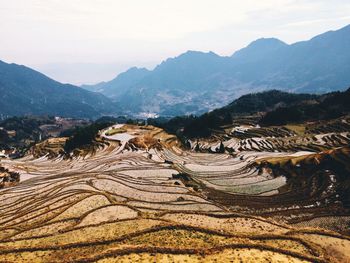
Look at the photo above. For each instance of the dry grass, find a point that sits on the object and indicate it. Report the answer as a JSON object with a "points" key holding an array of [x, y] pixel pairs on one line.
{"points": [[298, 129]]}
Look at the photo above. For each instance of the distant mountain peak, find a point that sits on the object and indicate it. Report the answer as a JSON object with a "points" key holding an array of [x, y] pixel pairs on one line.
{"points": [[132, 72], [192, 54], [189, 60], [267, 42], [261, 45], [197, 53], [133, 69]]}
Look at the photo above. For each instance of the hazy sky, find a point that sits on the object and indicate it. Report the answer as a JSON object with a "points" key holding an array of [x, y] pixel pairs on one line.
{"points": [[86, 41]]}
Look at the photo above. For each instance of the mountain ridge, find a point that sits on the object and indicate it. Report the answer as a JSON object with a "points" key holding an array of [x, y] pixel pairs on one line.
{"points": [[196, 81]]}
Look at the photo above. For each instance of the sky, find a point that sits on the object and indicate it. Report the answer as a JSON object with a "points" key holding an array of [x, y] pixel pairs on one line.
{"points": [[88, 41]]}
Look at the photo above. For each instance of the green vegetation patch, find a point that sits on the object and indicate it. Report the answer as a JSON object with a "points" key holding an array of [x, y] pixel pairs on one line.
{"points": [[298, 129], [115, 131], [84, 136]]}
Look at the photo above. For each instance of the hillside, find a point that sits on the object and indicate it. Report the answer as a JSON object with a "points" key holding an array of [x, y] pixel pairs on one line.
{"points": [[263, 108], [325, 107], [195, 82], [24, 91]]}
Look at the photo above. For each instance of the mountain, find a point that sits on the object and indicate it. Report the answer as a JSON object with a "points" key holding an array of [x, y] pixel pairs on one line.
{"points": [[24, 91], [259, 49], [120, 84], [196, 82], [318, 65]]}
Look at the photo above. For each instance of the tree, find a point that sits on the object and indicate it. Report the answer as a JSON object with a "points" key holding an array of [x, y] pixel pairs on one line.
{"points": [[221, 148]]}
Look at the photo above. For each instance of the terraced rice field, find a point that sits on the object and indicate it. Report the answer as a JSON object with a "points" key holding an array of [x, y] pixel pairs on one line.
{"points": [[312, 137], [145, 199]]}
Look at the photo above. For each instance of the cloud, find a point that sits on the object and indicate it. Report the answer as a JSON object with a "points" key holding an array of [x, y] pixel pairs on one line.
{"points": [[316, 21]]}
